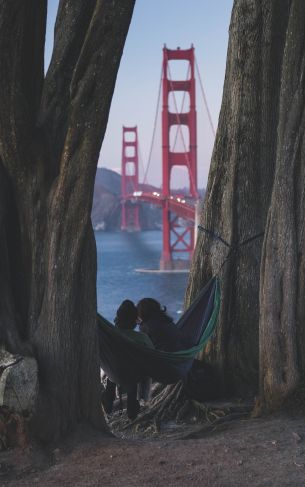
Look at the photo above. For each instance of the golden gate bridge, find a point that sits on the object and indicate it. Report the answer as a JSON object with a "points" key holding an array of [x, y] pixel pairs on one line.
{"points": [[178, 211]]}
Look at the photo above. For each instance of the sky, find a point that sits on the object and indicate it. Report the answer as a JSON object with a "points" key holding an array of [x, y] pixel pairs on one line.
{"points": [[203, 23]]}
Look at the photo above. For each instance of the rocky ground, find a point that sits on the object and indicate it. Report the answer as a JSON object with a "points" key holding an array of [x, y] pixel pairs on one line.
{"points": [[257, 452]]}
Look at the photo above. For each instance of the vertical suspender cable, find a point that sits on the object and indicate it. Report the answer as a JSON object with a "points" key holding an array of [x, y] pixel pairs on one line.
{"points": [[154, 129], [205, 99]]}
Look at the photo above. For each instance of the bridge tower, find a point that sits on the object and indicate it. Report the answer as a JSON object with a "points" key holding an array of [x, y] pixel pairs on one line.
{"points": [[130, 179], [177, 238]]}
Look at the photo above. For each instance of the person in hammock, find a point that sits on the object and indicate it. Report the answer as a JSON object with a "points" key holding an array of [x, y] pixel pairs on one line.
{"points": [[126, 321], [161, 329]]}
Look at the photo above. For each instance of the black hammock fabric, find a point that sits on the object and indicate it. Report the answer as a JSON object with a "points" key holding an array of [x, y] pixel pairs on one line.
{"points": [[125, 361]]}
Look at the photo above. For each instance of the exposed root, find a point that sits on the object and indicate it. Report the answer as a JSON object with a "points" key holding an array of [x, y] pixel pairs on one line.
{"points": [[156, 389], [172, 407]]}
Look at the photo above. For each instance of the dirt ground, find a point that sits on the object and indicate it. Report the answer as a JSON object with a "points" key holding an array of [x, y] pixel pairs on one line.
{"points": [[255, 452]]}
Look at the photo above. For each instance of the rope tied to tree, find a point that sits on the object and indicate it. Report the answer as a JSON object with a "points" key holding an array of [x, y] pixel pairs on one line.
{"points": [[234, 248]]}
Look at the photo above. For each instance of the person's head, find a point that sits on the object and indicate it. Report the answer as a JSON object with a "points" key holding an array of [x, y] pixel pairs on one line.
{"points": [[126, 315], [149, 308]]}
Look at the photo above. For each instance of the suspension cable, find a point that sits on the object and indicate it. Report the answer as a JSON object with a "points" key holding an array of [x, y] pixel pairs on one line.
{"points": [[154, 129], [205, 99]]}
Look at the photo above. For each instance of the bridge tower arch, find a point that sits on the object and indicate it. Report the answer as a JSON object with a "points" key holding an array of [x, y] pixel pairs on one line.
{"points": [[177, 238], [130, 179]]}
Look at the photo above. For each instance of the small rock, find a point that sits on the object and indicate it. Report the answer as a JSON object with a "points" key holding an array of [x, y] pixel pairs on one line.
{"points": [[240, 462], [18, 382]]}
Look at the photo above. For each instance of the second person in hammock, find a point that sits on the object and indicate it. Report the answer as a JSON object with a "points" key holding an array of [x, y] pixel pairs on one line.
{"points": [[159, 326]]}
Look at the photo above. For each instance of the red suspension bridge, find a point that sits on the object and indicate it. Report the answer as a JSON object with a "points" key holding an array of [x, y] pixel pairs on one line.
{"points": [[178, 211]]}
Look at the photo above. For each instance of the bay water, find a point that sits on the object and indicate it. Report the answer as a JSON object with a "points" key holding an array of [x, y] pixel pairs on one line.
{"points": [[119, 256]]}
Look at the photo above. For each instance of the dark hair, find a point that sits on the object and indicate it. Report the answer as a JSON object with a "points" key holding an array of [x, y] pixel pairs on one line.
{"points": [[126, 315], [151, 308]]}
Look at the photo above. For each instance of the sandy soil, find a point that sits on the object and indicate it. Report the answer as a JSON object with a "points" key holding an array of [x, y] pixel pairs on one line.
{"points": [[255, 452]]}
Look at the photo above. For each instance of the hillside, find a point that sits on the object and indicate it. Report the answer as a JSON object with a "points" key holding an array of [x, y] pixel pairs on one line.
{"points": [[106, 211], [106, 203]]}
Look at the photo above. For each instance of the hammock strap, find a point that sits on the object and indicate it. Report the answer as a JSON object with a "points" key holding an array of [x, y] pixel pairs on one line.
{"points": [[214, 235], [233, 248], [248, 240]]}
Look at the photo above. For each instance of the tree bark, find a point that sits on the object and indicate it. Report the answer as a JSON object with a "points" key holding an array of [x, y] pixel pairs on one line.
{"points": [[51, 132], [282, 287], [240, 184], [256, 183]]}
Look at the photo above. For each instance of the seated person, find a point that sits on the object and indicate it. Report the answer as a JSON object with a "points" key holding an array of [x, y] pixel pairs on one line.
{"points": [[126, 321], [160, 327]]}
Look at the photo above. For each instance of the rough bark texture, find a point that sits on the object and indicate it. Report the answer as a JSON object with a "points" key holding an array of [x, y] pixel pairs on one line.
{"points": [[51, 130], [240, 184], [256, 183], [282, 287]]}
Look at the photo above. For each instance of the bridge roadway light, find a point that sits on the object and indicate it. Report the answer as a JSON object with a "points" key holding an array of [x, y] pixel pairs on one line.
{"points": [[137, 193]]}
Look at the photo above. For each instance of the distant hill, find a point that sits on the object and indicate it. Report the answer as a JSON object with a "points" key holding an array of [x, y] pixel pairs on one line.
{"points": [[109, 180], [106, 210]]}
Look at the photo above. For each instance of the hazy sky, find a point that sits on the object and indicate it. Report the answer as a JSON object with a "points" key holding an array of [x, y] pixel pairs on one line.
{"points": [[203, 23]]}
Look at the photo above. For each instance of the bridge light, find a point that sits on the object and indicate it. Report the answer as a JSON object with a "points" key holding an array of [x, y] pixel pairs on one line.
{"points": [[178, 199], [182, 201], [137, 193]]}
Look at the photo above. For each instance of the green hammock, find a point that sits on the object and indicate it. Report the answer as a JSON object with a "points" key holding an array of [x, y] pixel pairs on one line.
{"points": [[125, 361]]}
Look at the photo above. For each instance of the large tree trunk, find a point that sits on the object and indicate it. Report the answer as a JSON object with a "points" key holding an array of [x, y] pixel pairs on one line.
{"points": [[256, 183], [239, 186], [282, 287], [51, 131]]}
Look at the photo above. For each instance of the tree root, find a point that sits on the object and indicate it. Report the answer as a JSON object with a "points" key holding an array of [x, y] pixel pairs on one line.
{"points": [[171, 404]]}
